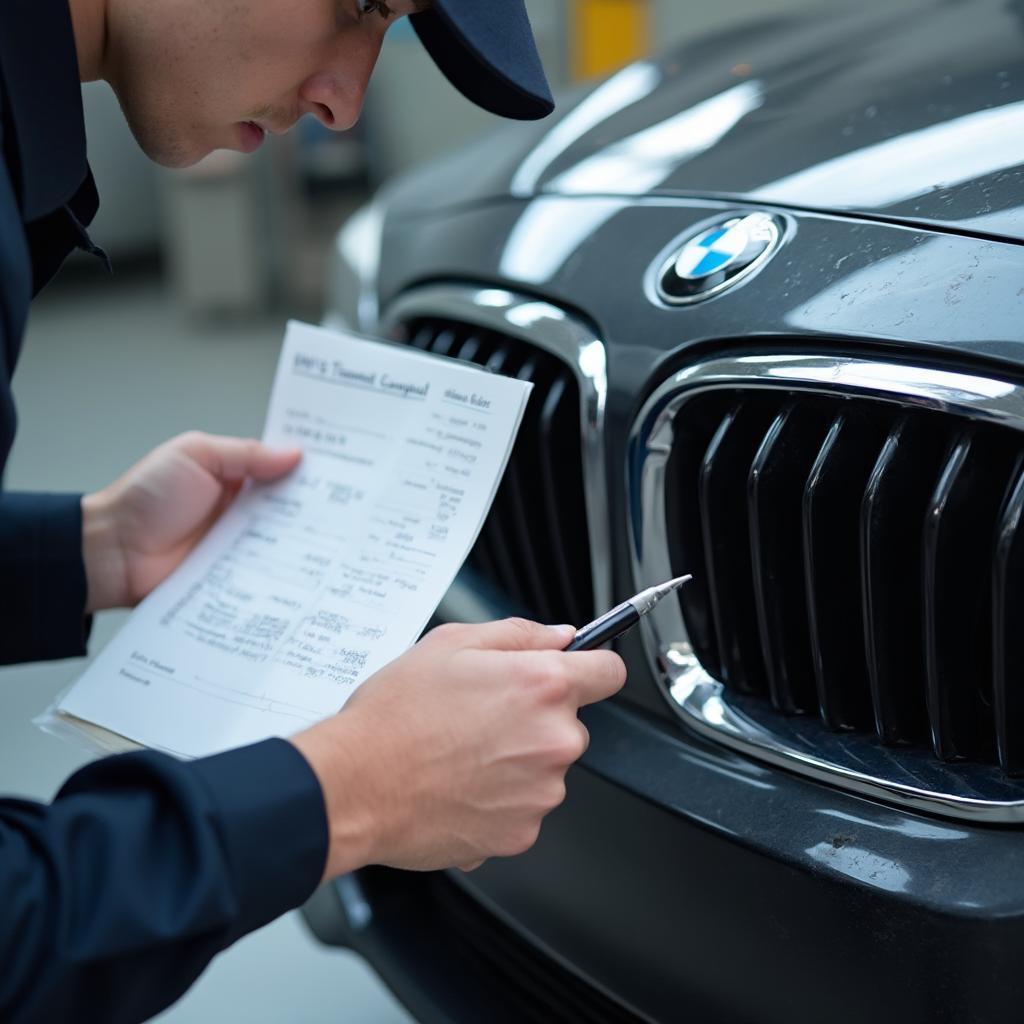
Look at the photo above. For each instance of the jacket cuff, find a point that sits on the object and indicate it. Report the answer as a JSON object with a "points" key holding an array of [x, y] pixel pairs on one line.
{"points": [[42, 600], [273, 823]]}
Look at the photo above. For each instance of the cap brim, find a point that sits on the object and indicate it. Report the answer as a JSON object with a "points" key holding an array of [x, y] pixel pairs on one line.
{"points": [[487, 51]]}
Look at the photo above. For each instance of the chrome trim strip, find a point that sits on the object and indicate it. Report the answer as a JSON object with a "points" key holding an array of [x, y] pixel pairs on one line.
{"points": [[561, 334], [916, 780]]}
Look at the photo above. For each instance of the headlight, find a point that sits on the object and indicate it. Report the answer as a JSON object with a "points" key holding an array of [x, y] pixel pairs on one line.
{"points": [[354, 264]]}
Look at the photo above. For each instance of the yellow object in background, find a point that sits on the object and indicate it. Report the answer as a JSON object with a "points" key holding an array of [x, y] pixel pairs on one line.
{"points": [[606, 34]]}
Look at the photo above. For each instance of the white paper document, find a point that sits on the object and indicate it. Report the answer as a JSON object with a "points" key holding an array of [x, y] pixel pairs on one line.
{"points": [[307, 586]]}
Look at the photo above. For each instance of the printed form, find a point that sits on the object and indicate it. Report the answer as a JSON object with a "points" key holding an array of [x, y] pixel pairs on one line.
{"points": [[306, 587]]}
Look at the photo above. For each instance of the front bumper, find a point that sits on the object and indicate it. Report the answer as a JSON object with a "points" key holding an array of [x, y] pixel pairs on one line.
{"points": [[682, 882]]}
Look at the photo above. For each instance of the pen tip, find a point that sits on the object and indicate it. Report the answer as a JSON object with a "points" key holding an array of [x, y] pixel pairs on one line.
{"points": [[669, 585]]}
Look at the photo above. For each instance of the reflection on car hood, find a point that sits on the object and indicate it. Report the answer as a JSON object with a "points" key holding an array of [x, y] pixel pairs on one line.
{"points": [[911, 112]]}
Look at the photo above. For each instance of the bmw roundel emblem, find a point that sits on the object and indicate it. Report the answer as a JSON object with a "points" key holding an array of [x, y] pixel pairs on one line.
{"points": [[717, 257]]}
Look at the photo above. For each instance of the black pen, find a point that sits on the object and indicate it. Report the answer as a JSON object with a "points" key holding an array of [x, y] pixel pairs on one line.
{"points": [[623, 616]]}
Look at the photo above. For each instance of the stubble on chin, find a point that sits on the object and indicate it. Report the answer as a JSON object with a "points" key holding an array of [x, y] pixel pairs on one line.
{"points": [[163, 141], [168, 147]]}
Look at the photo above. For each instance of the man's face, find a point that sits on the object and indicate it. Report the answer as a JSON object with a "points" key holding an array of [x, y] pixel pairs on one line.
{"points": [[197, 75]]}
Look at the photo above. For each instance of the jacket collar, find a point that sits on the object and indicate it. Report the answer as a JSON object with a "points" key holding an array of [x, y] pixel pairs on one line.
{"points": [[39, 71]]}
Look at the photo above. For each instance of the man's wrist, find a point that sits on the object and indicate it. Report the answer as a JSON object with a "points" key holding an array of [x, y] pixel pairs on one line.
{"points": [[102, 555], [352, 821]]}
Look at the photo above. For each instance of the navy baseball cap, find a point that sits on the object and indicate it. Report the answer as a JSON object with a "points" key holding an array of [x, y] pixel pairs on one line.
{"points": [[487, 51]]}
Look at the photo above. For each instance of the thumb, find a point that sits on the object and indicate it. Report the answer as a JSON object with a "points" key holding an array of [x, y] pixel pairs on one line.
{"points": [[236, 458], [270, 463], [519, 635]]}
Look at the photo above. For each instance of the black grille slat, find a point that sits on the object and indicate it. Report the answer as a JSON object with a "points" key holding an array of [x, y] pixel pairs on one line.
{"points": [[723, 501], [498, 527], [1007, 634], [951, 712], [774, 492], [527, 537], [830, 516], [422, 337], [561, 442], [962, 521], [486, 554], [892, 517], [559, 413], [533, 549], [470, 350], [444, 341], [500, 524], [692, 436]]}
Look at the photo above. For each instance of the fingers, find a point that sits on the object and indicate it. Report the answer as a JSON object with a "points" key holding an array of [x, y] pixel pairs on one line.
{"points": [[577, 679], [584, 737], [597, 675], [507, 635], [471, 867], [234, 459], [582, 677]]}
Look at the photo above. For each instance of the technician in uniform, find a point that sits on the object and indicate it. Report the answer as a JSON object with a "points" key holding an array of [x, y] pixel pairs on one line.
{"points": [[114, 897]]}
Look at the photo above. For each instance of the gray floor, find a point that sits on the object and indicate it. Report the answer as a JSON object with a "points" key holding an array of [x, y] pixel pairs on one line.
{"points": [[110, 369]]}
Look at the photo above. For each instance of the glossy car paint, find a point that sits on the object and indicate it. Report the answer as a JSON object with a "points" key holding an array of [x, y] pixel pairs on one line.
{"points": [[912, 111], [687, 880]]}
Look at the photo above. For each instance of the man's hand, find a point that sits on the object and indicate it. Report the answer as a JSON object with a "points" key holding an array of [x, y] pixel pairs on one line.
{"points": [[137, 530], [454, 752]]}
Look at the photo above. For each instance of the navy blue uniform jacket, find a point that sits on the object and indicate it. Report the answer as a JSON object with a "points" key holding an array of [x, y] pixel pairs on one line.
{"points": [[114, 897]]}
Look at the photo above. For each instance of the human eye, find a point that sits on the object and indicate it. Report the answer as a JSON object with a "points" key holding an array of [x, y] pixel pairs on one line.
{"points": [[368, 7]]}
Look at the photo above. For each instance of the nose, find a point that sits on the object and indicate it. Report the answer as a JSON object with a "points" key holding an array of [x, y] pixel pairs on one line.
{"points": [[335, 95]]}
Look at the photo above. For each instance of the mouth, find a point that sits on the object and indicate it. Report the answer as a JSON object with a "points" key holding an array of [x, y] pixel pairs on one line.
{"points": [[252, 136]]}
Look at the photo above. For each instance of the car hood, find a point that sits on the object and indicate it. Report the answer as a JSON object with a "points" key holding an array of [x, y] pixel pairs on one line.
{"points": [[913, 112]]}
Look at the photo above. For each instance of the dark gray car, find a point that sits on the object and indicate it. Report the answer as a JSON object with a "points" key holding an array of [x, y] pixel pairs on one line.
{"points": [[770, 291]]}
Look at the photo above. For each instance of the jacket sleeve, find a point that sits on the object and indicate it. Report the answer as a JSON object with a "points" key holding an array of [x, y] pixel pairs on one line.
{"points": [[42, 577], [43, 596], [115, 897]]}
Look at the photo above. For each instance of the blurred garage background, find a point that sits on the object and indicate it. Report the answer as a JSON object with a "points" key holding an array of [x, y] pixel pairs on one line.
{"points": [[209, 263]]}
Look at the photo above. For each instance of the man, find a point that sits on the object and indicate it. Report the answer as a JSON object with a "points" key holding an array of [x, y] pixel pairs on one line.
{"points": [[115, 897]]}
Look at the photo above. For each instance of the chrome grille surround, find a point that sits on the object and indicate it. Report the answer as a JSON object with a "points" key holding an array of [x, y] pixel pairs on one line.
{"points": [[856, 762], [573, 342]]}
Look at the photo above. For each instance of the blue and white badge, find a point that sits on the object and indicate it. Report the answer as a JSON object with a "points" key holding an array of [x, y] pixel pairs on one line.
{"points": [[717, 257]]}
